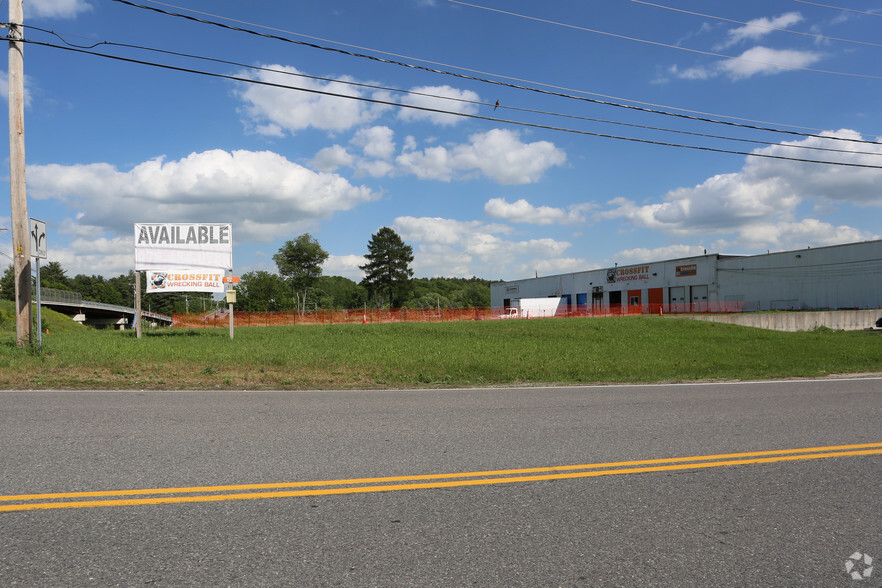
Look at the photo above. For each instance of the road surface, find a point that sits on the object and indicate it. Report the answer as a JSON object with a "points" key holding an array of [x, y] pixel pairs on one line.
{"points": [[745, 484]]}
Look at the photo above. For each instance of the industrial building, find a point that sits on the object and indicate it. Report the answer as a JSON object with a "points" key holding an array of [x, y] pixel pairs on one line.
{"points": [[837, 277]]}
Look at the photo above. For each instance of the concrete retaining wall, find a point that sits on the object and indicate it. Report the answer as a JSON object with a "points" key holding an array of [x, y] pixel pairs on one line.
{"points": [[838, 320]]}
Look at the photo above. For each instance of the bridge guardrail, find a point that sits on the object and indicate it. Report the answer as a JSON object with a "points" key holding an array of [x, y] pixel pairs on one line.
{"points": [[76, 298]]}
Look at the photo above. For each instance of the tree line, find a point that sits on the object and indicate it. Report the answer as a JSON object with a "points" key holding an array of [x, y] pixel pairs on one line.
{"points": [[298, 285]]}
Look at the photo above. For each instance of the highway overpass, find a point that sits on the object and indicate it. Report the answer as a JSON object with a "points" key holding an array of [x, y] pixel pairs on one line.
{"points": [[96, 314]]}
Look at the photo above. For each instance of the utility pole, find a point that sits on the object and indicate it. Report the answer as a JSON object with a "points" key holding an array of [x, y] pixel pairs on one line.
{"points": [[21, 242]]}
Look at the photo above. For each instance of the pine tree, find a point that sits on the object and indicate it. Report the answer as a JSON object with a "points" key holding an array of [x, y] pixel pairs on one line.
{"points": [[388, 267]]}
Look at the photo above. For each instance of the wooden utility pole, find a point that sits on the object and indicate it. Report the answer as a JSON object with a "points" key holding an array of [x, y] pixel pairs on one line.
{"points": [[21, 241]]}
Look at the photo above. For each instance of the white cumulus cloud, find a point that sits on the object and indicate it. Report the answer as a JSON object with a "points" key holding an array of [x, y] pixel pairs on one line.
{"points": [[497, 154], [446, 247], [761, 203], [264, 193], [521, 211], [763, 60], [643, 254], [331, 158], [445, 98], [55, 8], [344, 265], [758, 28], [754, 61], [274, 111], [376, 142]]}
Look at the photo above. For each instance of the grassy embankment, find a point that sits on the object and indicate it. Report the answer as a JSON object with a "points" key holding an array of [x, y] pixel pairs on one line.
{"points": [[483, 353]]}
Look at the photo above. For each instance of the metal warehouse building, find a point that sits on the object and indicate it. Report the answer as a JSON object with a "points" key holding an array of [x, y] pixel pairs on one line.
{"points": [[837, 277]]}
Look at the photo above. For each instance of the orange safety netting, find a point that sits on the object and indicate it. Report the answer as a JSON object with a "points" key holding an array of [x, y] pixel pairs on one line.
{"points": [[220, 319]]}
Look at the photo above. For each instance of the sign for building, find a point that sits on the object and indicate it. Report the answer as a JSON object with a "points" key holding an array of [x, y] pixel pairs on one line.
{"points": [[183, 245], [626, 274], [687, 270], [192, 280]]}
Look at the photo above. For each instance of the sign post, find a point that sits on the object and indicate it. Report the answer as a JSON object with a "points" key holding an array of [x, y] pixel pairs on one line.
{"points": [[231, 296], [138, 304], [39, 250], [182, 256]]}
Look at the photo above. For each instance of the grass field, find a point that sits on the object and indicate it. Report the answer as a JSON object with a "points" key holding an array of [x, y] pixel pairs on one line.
{"points": [[471, 353]]}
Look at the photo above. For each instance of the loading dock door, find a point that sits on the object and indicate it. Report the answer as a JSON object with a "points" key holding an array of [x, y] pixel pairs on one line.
{"points": [[582, 303], [678, 298], [656, 300], [615, 302], [699, 298]]}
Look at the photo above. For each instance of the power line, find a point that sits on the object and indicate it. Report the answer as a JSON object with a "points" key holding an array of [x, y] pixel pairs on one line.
{"points": [[488, 81], [452, 113], [559, 91], [449, 98], [757, 25], [667, 45], [496, 75], [839, 8]]}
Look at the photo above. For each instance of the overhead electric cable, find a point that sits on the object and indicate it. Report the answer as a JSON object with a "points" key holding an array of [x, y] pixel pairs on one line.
{"points": [[668, 45], [496, 75], [694, 114], [449, 98], [439, 111], [495, 82], [839, 8], [757, 25]]}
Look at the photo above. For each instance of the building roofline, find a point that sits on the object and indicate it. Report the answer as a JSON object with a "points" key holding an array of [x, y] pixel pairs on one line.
{"points": [[719, 256]]}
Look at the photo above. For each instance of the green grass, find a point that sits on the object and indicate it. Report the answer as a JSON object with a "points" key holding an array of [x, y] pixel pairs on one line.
{"points": [[483, 353]]}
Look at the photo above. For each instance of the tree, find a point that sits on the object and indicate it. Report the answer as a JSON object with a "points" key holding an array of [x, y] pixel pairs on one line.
{"points": [[261, 290], [52, 275], [339, 292], [388, 267], [7, 283], [448, 292], [125, 285], [300, 262]]}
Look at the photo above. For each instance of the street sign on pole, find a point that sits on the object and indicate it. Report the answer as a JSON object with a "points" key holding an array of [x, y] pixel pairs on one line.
{"points": [[38, 238], [40, 251]]}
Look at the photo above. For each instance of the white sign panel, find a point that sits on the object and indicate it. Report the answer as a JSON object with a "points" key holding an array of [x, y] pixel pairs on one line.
{"points": [[183, 245], [191, 280], [38, 239]]}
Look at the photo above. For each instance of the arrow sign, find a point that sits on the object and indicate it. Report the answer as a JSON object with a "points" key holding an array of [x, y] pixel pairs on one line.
{"points": [[231, 279], [38, 238]]}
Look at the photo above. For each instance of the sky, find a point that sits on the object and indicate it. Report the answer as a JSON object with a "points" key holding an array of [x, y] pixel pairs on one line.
{"points": [[500, 139]]}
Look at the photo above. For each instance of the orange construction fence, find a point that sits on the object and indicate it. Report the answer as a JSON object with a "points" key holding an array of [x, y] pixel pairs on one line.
{"points": [[220, 318]]}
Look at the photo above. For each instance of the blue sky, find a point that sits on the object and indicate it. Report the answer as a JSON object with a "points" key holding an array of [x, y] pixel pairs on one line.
{"points": [[529, 187]]}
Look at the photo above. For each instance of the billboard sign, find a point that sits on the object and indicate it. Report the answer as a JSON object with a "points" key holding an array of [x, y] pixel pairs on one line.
{"points": [[183, 245], [191, 280]]}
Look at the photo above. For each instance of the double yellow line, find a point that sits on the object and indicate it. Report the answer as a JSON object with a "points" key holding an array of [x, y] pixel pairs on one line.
{"points": [[418, 482]]}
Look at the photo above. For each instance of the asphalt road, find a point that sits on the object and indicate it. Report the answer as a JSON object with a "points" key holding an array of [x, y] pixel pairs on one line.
{"points": [[773, 517]]}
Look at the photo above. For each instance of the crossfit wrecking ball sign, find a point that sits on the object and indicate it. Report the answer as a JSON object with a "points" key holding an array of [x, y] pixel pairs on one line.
{"points": [[185, 281], [175, 246]]}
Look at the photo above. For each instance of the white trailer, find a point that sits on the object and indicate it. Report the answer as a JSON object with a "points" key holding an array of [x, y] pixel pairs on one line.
{"points": [[535, 307]]}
